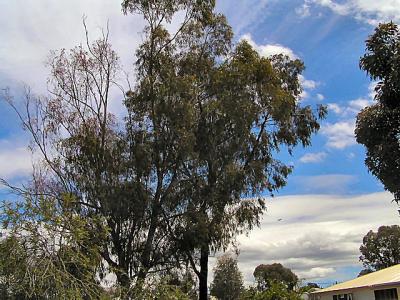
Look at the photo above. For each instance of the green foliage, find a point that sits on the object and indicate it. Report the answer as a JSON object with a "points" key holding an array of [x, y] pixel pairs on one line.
{"points": [[311, 285], [381, 249], [228, 280], [162, 286], [184, 280], [378, 126], [275, 291], [204, 122], [378, 129], [152, 10], [381, 61], [12, 264], [274, 273], [249, 293], [48, 252], [160, 291]]}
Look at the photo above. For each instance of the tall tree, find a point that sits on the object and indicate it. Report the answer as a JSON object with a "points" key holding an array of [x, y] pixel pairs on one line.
{"points": [[204, 122], [163, 109], [88, 158], [381, 249], [235, 110], [253, 111], [75, 139], [378, 126], [265, 275], [228, 280]]}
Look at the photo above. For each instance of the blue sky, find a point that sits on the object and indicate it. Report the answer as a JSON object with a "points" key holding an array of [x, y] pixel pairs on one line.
{"points": [[331, 200], [330, 45]]}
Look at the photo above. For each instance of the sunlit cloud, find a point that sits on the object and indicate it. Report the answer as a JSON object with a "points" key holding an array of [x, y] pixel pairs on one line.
{"points": [[315, 235], [368, 11], [313, 157], [340, 135]]}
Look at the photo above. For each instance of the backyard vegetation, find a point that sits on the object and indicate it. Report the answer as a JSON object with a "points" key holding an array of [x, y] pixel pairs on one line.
{"points": [[146, 199]]}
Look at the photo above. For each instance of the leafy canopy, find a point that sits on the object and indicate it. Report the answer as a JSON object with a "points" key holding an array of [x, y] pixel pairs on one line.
{"points": [[163, 188], [381, 249], [265, 275], [228, 280], [378, 126]]}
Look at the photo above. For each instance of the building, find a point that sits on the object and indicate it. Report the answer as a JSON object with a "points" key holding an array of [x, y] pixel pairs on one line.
{"points": [[380, 285]]}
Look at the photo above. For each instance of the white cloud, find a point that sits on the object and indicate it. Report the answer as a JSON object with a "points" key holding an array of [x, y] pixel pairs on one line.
{"points": [[319, 272], [307, 83], [304, 95], [336, 108], [32, 28], [316, 235], [359, 104], [351, 109], [269, 49], [341, 9], [313, 157], [15, 159], [369, 11], [340, 135], [320, 97]]}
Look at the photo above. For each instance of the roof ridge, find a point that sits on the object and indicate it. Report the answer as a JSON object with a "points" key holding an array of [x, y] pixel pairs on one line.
{"points": [[368, 280]]}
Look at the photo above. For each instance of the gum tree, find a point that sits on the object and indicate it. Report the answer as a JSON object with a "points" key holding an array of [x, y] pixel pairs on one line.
{"points": [[231, 111], [205, 121], [378, 125]]}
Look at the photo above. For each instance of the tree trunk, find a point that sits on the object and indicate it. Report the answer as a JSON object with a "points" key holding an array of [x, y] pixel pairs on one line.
{"points": [[148, 248], [124, 280], [203, 289]]}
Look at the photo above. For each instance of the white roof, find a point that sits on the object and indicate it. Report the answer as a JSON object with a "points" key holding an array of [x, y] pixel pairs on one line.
{"points": [[385, 277]]}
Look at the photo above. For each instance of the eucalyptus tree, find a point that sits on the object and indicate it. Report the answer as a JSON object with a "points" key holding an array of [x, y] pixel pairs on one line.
{"points": [[211, 117], [205, 121], [265, 275], [378, 125], [380, 249], [122, 179]]}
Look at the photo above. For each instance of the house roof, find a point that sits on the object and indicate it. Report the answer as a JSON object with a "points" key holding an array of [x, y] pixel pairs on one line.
{"points": [[388, 276]]}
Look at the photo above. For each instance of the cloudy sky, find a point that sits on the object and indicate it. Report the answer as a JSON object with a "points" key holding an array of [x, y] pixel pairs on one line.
{"points": [[331, 200]]}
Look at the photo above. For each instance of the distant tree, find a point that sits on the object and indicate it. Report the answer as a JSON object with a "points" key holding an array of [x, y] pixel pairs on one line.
{"points": [[378, 125], [310, 286], [313, 285], [228, 280], [267, 274], [276, 291], [381, 249], [365, 272]]}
